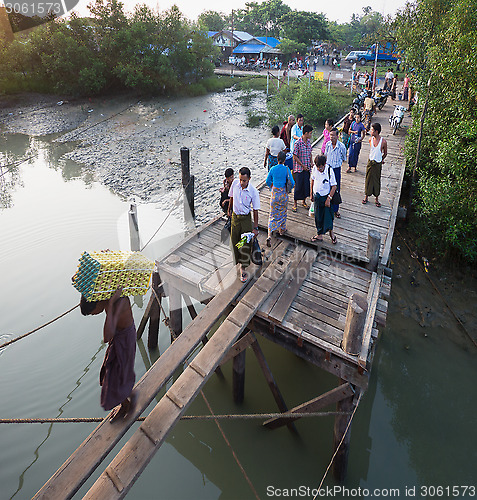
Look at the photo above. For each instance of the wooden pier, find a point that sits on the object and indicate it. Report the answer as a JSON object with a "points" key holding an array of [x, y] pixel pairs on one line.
{"points": [[322, 302]]}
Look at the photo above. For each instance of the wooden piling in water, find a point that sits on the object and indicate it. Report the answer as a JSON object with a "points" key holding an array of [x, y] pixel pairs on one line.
{"points": [[187, 183], [134, 228], [238, 377], [354, 326], [372, 252], [155, 312], [342, 436]]}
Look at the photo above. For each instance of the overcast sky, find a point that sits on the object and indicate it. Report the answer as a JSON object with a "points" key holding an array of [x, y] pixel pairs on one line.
{"points": [[335, 10]]}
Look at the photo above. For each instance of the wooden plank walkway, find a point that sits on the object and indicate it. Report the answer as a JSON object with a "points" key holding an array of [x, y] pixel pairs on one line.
{"points": [[67, 480], [133, 458], [298, 299]]}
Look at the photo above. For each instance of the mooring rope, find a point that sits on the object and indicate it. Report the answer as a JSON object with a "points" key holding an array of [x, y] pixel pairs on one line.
{"points": [[439, 293], [212, 416], [38, 328], [232, 416], [338, 447], [165, 219]]}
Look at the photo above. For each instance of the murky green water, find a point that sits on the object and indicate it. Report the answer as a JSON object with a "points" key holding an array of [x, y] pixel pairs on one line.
{"points": [[415, 427]]}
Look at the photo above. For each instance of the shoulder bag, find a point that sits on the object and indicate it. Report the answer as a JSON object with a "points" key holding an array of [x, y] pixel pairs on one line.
{"points": [[336, 199], [288, 184]]}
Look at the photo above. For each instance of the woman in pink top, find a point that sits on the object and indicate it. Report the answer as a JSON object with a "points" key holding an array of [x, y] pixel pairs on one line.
{"points": [[326, 134], [405, 88]]}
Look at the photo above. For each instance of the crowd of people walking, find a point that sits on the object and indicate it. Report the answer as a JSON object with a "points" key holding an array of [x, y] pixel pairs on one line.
{"points": [[291, 167]]}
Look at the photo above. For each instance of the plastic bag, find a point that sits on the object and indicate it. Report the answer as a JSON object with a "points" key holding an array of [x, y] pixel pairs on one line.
{"points": [[256, 253]]}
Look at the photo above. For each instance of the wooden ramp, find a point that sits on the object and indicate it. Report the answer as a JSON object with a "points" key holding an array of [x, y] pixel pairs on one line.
{"points": [[126, 467], [67, 480]]}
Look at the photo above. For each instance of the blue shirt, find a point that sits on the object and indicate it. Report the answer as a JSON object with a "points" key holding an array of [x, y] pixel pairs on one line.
{"points": [[335, 156], [296, 130], [278, 176]]}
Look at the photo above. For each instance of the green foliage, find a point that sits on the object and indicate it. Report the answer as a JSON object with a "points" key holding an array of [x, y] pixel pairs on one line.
{"points": [[254, 119], [291, 47], [361, 31], [304, 26], [146, 51], [442, 47], [262, 18], [311, 99], [211, 20]]}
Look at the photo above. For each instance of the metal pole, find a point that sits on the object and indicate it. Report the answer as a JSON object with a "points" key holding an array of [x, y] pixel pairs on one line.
{"points": [[376, 48], [232, 45]]}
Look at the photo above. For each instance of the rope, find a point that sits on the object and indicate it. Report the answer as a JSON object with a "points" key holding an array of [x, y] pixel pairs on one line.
{"points": [[439, 293], [244, 416], [38, 328], [163, 222], [338, 447]]}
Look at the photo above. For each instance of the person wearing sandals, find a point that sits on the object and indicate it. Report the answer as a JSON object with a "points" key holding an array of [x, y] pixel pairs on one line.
{"points": [[335, 153], [357, 133], [273, 147], [377, 152], [323, 186], [302, 164], [243, 199], [276, 181]]}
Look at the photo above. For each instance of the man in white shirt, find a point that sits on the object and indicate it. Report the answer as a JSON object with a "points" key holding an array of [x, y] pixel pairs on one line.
{"points": [[243, 199], [323, 186], [388, 79]]}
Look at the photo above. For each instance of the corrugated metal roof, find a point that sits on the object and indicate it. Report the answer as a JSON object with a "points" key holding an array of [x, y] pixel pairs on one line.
{"points": [[210, 34]]}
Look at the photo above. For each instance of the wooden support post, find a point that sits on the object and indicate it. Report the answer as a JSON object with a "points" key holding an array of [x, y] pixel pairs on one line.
{"points": [[372, 252], [277, 395], [238, 377], [342, 432], [187, 183], [175, 312], [145, 318], [354, 326], [193, 315], [155, 312], [134, 228]]}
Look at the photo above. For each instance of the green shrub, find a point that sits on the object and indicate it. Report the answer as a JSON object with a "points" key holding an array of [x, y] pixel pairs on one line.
{"points": [[309, 98]]}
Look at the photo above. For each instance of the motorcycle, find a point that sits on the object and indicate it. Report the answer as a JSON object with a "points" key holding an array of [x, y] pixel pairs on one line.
{"points": [[395, 119], [381, 97], [358, 101]]}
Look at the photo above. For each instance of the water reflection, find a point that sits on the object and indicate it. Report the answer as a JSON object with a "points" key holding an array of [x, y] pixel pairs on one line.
{"points": [[69, 397], [14, 150]]}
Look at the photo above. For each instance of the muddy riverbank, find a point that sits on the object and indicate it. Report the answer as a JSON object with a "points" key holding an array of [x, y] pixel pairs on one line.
{"points": [[132, 145]]}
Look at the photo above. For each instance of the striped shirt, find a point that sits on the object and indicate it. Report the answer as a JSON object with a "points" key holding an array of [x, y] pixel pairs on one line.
{"points": [[335, 156]]}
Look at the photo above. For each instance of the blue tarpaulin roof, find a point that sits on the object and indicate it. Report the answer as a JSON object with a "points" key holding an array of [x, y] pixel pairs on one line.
{"points": [[269, 40], [254, 48]]}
